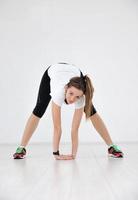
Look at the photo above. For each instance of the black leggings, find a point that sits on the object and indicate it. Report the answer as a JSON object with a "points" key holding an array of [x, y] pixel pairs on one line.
{"points": [[44, 97]]}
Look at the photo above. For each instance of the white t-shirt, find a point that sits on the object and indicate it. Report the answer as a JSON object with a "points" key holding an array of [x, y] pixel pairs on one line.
{"points": [[60, 74]]}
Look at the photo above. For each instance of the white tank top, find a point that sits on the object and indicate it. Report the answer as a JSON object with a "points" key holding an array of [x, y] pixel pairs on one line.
{"points": [[60, 74]]}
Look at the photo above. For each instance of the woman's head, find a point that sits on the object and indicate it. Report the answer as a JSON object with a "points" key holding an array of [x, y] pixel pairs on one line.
{"points": [[76, 88], [72, 94]]}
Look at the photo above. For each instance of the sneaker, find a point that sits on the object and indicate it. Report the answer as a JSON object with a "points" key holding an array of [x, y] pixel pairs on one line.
{"points": [[114, 151], [20, 153]]}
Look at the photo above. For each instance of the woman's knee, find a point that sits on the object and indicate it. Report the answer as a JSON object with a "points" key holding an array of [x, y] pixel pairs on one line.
{"points": [[39, 110], [93, 110]]}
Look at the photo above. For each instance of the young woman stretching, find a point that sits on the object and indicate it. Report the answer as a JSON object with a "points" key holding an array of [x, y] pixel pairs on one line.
{"points": [[66, 84]]}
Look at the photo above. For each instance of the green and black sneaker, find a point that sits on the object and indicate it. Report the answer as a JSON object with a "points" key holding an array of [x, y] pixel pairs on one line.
{"points": [[20, 153], [115, 151]]}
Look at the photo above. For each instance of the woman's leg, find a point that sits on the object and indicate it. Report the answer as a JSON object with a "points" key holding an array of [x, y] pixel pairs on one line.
{"points": [[113, 150], [30, 127], [43, 100], [101, 128]]}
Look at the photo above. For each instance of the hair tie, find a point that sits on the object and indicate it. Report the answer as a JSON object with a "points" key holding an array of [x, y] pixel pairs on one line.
{"points": [[84, 78]]}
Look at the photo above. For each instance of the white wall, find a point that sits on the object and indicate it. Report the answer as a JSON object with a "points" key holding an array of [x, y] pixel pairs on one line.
{"points": [[99, 36]]}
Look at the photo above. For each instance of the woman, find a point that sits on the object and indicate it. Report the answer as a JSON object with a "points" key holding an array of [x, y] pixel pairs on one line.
{"points": [[65, 84]]}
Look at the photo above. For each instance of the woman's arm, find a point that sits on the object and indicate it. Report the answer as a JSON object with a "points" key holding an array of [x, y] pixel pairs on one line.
{"points": [[74, 131], [56, 116]]}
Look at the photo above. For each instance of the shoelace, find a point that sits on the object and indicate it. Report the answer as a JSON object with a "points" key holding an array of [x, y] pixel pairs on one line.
{"points": [[116, 147], [19, 150]]}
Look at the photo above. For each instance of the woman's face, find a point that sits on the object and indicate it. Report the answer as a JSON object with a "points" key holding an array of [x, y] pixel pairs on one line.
{"points": [[72, 94]]}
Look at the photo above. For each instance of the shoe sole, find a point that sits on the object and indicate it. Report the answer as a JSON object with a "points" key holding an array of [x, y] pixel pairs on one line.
{"points": [[19, 157], [111, 155]]}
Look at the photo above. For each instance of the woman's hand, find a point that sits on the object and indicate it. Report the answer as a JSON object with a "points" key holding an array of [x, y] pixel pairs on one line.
{"points": [[64, 157]]}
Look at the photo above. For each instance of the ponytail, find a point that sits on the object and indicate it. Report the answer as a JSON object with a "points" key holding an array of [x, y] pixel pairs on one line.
{"points": [[88, 96]]}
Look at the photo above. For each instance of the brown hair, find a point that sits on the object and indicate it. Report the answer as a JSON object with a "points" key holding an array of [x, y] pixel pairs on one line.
{"points": [[84, 83]]}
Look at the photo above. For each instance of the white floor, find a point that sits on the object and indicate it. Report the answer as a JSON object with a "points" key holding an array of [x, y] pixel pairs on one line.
{"points": [[92, 176]]}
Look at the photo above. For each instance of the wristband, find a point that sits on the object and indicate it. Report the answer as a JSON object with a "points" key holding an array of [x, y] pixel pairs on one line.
{"points": [[56, 153]]}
